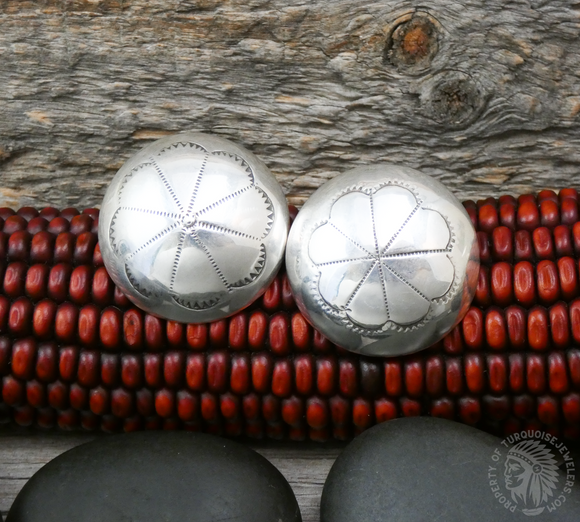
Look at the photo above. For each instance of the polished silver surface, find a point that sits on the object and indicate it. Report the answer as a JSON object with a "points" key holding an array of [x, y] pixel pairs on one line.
{"points": [[383, 260], [193, 228]]}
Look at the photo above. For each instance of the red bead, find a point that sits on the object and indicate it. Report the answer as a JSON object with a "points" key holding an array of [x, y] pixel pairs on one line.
{"points": [[218, 334], [569, 211], [188, 405], [110, 328], [340, 410], [528, 216], [414, 377], [371, 377], [110, 373], [525, 283], [81, 223], [559, 325], [88, 325], [488, 218], [549, 213], [42, 247], [80, 284], [517, 372], [317, 414], [496, 408], [153, 332], [496, 329], [523, 249], [410, 407], [217, 371], [78, 397], [195, 371], [272, 299], [13, 224], [46, 362], [238, 332], [347, 378], [84, 248], [132, 371], [197, 336], [507, 215], [271, 408], [36, 282], [24, 358], [497, 372], [165, 403], [501, 284], [571, 408], [474, 373], [279, 334], [563, 241], [484, 248], [435, 376], [516, 319], [19, 246], [326, 375], [64, 247], [58, 282], [174, 368], [548, 410], [230, 406], [301, 332], [68, 363], [282, 378], [557, 374], [89, 368], [472, 328], [293, 411], [240, 379], [502, 248], [251, 406], [20, 317], [58, 225], [14, 279], [538, 335], [122, 403], [453, 342], [393, 377], [385, 409], [58, 395], [524, 406], [469, 410], [43, 319], [362, 413], [66, 322], [304, 374], [568, 278], [548, 282], [443, 408], [287, 295], [262, 372], [257, 329], [535, 374], [144, 402], [102, 287]]}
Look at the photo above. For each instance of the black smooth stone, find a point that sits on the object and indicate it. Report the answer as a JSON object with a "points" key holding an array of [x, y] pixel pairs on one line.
{"points": [[157, 477], [427, 469]]}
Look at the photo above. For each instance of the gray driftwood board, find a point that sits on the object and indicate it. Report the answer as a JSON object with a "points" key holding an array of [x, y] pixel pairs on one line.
{"points": [[482, 94]]}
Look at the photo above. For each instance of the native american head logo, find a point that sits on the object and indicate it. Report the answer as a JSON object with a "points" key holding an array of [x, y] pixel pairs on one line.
{"points": [[531, 475]]}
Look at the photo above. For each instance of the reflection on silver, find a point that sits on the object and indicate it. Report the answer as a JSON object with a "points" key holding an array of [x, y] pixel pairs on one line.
{"points": [[383, 260], [193, 228]]}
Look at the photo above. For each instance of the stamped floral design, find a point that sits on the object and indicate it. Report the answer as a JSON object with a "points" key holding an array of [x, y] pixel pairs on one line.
{"points": [[199, 209], [382, 257]]}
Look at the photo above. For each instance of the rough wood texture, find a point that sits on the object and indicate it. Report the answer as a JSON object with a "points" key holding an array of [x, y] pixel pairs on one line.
{"points": [[22, 453], [483, 94]]}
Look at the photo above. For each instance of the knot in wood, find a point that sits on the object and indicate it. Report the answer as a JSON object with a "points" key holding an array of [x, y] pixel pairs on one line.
{"points": [[412, 43], [453, 99]]}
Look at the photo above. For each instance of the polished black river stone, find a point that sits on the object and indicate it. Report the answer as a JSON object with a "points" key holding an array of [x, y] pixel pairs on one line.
{"points": [[428, 469], [157, 477]]}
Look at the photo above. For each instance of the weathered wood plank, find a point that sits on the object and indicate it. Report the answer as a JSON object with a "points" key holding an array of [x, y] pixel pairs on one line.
{"points": [[482, 94], [24, 452]]}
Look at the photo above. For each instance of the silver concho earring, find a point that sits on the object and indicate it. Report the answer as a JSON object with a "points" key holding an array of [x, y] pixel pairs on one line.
{"points": [[383, 260], [193, 228]]}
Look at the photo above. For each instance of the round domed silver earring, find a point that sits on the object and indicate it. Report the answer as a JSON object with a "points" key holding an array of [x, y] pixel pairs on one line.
{"points": [[193, 228], [383, 260]]}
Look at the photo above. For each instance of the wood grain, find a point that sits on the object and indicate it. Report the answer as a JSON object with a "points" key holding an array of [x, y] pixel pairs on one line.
{"points": [[482, 94], [23, 452]]}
